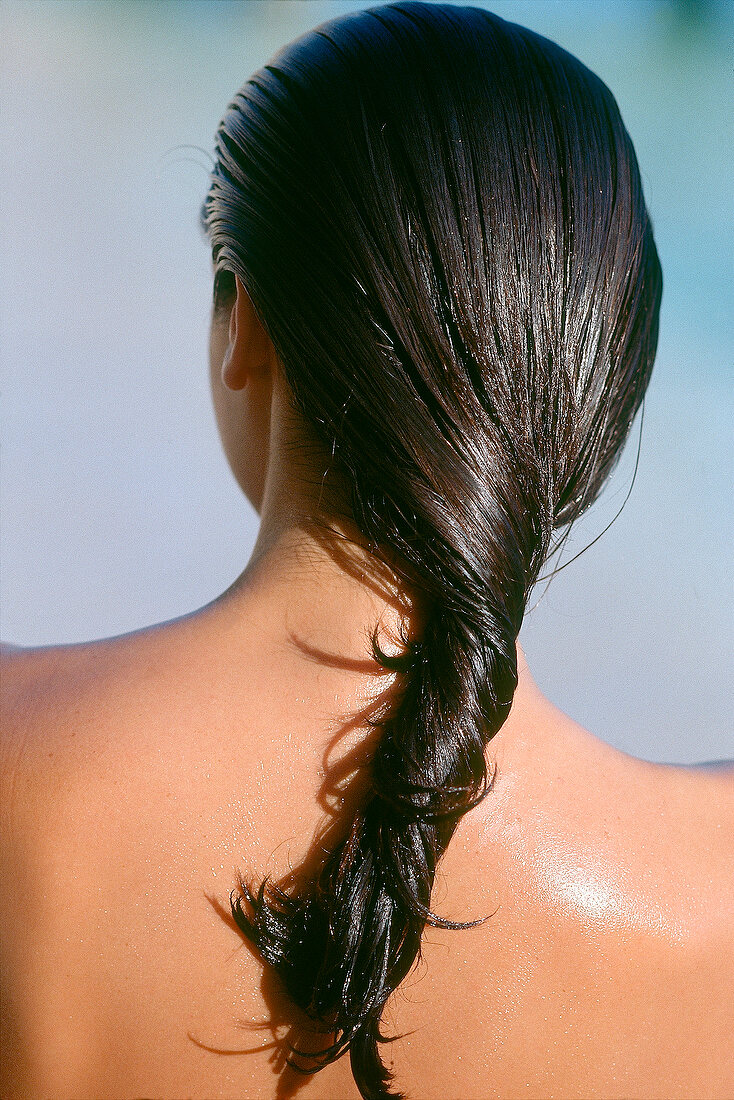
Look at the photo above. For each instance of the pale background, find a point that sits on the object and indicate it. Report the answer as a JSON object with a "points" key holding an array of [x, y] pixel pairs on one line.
{"points": [[118, 507]]}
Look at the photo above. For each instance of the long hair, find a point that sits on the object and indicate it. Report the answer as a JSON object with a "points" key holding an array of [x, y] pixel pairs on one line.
{"points": [[439, 218]]}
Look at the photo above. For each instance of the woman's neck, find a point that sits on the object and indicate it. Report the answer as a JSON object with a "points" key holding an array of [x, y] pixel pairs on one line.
{"points": [[316, 591]]}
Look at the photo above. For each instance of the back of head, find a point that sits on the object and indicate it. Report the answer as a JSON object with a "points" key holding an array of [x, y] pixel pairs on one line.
{"points": [[439, 218]]}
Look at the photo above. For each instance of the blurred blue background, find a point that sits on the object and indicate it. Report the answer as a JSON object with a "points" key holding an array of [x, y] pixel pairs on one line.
{"points": [[118, 507]]}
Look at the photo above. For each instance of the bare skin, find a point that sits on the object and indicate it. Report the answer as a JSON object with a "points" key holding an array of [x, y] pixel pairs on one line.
{"points": [[139, 774]]}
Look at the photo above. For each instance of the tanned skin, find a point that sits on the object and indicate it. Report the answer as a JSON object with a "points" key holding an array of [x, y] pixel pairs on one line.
{"points": [[140, 774]]}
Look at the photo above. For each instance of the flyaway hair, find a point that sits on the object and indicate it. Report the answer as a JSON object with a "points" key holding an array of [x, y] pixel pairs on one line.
{"points": [[439, 218]]}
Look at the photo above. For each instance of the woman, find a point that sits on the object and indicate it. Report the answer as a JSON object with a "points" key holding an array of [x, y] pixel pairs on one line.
{"points": [[435, 317]]}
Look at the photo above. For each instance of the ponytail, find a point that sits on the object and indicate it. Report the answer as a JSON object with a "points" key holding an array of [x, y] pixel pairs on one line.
{"points": [[439, 218], [346, 942]]}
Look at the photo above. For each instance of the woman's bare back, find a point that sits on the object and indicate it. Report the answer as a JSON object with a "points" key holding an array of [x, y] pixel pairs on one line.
{"points": [[140, 774], [420, 383]]}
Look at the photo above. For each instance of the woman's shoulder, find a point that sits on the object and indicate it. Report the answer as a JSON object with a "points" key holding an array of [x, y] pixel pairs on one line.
{"points": [[53, 694], [607, 952], [72, 719], [611, 834], [40, 688], [102, 739], [58, 706], [616, 854]]}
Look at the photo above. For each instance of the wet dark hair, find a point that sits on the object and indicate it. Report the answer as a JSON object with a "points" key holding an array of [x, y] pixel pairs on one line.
{"points": [[439, 218]]}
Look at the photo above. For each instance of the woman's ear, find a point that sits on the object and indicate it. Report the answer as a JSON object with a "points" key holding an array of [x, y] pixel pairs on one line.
{"points": [[250, 352]]}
